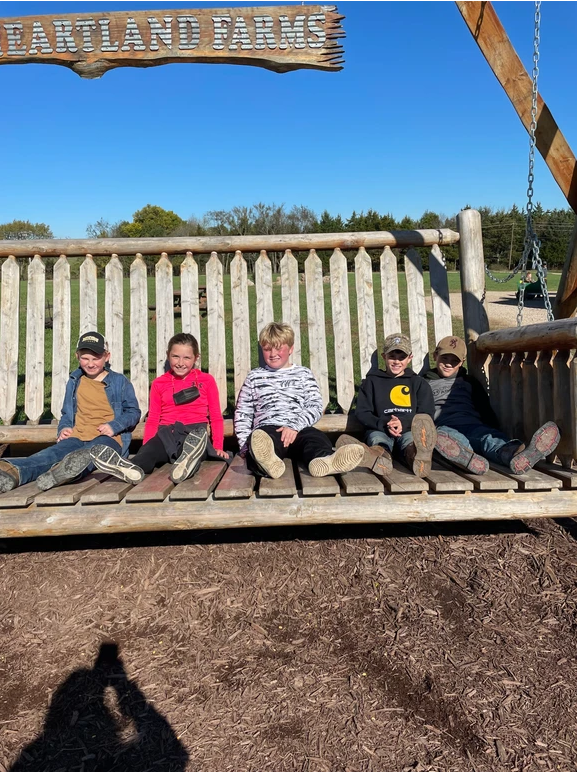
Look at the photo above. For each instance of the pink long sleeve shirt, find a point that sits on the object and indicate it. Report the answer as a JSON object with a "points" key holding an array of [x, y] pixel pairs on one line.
{"points": [[206, 408]]}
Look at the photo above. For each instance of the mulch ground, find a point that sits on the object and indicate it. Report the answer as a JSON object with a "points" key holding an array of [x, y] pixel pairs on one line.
{"points": [[392, 648]]}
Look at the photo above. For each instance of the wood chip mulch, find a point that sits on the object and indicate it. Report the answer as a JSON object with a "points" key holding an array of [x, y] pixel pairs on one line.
{"points": [[341, 648]]}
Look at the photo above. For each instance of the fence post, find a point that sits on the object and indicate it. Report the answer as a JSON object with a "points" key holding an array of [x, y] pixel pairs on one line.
{"points": [[473, 283]]}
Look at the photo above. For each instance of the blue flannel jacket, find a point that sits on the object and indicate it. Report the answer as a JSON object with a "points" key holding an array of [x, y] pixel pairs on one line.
{"points": [[120, 394]]}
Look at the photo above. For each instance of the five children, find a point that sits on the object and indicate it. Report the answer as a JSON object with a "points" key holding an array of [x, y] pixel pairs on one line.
{"points": [[276, 409]]}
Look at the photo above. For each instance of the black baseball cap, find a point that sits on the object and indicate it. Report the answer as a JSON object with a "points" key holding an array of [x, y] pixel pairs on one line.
{"points": [[92, 341]]}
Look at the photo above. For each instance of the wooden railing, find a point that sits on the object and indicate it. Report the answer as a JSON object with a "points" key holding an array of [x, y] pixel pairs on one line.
{"points": [[532, 380], [354, 342]]}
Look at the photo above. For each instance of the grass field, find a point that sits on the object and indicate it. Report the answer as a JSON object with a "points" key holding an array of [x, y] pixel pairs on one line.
{"points": [[454, 285]]}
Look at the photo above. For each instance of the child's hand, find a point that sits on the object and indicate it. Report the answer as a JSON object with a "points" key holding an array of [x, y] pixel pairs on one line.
{"points": [[66, 432], [222, 454], [105, 429], [288, 435], [394, 427]]}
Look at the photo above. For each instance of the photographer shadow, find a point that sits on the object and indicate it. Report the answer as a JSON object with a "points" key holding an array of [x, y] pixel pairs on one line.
{"points": [[98, 719]]}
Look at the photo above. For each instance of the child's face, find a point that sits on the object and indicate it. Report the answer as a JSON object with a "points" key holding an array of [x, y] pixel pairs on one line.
{"points": [[182, 359], [396, 362], [277, 357], [92, 364], [448, 365]]}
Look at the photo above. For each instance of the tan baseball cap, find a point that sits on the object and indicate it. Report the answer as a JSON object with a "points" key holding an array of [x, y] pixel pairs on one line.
{"points": [[452, 345], [397, 341]]}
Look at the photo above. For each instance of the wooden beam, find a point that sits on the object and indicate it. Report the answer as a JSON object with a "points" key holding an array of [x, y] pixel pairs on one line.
{"points": [[560, 334], [256, 512], [506, 65], [203, 245], [565, 304]]}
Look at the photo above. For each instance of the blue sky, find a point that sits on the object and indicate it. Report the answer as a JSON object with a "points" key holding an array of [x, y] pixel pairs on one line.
{"points": [[416, 120]]}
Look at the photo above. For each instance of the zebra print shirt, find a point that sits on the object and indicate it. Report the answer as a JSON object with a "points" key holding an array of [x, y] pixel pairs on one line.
{"points": [[288, 397]]}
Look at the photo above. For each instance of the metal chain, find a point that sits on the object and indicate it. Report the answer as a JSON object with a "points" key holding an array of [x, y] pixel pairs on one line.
{"points": [[531, 241]]}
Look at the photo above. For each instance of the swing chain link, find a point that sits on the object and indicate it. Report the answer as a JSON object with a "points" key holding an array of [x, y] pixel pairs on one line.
{"points": [[531, 241]]}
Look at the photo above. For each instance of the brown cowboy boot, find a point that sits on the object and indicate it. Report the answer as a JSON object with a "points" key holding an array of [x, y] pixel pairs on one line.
{"points": [[376, 458], [418, 454]]}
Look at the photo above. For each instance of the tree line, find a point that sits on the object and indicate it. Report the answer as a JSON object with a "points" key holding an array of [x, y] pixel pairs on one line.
{"points": [[503, 230]]}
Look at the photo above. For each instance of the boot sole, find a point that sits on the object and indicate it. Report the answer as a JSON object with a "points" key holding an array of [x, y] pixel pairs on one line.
{"points": [[544, 442], [7, 482], [346, 458], [263, 451], [191, 456], [66, 470], [375, 458], [424, 436], [458, 454], [106, 459]]}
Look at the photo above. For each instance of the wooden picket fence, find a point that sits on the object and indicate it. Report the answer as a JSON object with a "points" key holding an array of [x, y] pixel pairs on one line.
{"points": [[137, 315]]}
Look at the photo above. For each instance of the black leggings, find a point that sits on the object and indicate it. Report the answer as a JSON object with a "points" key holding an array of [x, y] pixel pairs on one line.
{"points": [[150, 455], [309, 444]]}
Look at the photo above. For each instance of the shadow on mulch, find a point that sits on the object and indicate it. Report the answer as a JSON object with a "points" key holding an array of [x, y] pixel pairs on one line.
{"points": [[82, 732], [267, 534]]}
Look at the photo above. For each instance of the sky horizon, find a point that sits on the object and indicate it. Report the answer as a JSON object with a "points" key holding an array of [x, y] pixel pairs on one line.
{"points": [[415, 121]]}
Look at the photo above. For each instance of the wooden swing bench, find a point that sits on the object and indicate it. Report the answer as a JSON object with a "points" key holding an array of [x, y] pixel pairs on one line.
{"points": [[530, 373]]}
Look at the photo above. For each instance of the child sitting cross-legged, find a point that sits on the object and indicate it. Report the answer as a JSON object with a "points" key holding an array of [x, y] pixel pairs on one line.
{"points": [[468, 433], [396, 408], [184, 402], [100, 407], [276, 409]]}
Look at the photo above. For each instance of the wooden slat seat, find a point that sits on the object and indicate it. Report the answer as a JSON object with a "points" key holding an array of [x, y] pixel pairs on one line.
{"points": [[200, 485], [154, 488], [280, 487]]}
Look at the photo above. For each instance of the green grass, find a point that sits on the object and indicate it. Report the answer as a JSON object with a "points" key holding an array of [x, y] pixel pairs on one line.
{"points": [[453, 281]]}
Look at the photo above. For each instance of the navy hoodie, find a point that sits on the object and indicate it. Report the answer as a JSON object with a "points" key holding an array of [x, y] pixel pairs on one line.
{"points": [[382, 396]]}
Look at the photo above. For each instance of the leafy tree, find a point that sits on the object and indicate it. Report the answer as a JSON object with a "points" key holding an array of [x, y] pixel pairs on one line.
{"points": [[329, 224], [24, 229], [150, 221], [102, 229]]}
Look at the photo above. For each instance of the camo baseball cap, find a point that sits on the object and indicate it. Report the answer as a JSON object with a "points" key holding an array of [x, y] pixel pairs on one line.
{"points": [[452, 345], [397, 341]]}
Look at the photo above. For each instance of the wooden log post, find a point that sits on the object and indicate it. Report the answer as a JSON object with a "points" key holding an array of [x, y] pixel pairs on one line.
{"points": [[290, 300], [190, 316], [60, 333], [417, 311], [365, 310], [164, 295], [113, 304], [139, 330], [505, 394], [241, 327], [263, 291], [35, 318], [517, 400], [9, 334], [473, 281], [216, 326], [316, 323], [389, 292], [342, 330], [88, 296], [530, 391], [440, 294]]}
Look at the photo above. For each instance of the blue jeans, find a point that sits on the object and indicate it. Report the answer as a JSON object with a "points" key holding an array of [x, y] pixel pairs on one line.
{"points": [[486, 441], [376, 438], [30, 467]]}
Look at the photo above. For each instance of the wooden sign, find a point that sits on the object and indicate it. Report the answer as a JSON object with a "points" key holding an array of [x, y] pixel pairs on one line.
{"points": [[279, 38]]}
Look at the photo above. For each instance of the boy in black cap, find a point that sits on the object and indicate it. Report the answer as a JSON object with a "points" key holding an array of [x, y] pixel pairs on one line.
{"points": [[100, 407], [468, 433], [396, 408]]}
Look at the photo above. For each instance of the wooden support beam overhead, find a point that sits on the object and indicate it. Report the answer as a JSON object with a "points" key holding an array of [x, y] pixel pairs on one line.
{"points": [[506, 65]]}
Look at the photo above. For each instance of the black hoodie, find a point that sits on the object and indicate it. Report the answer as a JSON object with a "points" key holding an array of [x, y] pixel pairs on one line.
{"points": [[382, 396]]}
